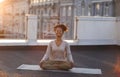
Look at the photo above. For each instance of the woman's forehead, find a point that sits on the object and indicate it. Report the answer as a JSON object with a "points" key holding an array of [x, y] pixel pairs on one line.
{"points": [[58, 28]]}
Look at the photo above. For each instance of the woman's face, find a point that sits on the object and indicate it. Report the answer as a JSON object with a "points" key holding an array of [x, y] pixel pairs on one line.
{"points": [[59, 32]]}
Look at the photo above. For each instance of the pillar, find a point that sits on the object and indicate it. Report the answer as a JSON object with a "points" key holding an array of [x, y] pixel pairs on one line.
{"points": [[32, 29]]}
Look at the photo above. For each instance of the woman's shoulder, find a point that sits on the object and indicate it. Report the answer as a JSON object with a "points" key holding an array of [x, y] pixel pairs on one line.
{"points": [[51, 42], [65, 42]]}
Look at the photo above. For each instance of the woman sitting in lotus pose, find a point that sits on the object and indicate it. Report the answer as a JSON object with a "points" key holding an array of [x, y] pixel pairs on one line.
{"points": [[58, 55]]}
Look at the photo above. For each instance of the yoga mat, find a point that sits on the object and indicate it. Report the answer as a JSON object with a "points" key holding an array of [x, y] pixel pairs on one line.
{"points": [[73, 70]]}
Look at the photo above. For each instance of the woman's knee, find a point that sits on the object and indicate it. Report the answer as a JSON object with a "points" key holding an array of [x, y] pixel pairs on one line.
{"points": [[70, 65], [41, 64]]}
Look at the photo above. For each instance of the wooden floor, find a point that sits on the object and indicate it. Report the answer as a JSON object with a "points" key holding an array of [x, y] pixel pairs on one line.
{"points": [[102, 57]]}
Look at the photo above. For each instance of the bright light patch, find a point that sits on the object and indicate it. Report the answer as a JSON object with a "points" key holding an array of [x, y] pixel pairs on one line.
{"points": [[70, 41], [47, 41], [12, 41], [1, 0]]}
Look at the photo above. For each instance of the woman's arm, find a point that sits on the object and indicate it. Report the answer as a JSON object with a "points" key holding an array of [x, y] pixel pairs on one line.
{"points": [[69, 54], [47, 54]]}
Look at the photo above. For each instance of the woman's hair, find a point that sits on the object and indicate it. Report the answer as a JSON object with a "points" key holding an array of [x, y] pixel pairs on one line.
{"points": [[62, 26]]}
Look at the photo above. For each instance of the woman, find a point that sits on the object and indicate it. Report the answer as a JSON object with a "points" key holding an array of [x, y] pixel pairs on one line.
{"points": [[58, 55]]}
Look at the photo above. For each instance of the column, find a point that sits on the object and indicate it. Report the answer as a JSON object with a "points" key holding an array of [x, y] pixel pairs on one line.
{"points": [[32, 29]]}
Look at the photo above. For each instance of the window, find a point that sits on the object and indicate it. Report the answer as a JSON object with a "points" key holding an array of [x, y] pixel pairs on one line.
{"points": [[97, 9], [102, 8], [89, 9], [64, 11], [83, 7], [106, 9], [69, 11]]}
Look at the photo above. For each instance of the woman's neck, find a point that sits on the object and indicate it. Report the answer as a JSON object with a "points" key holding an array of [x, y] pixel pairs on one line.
{"points": [[58, 39]]}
